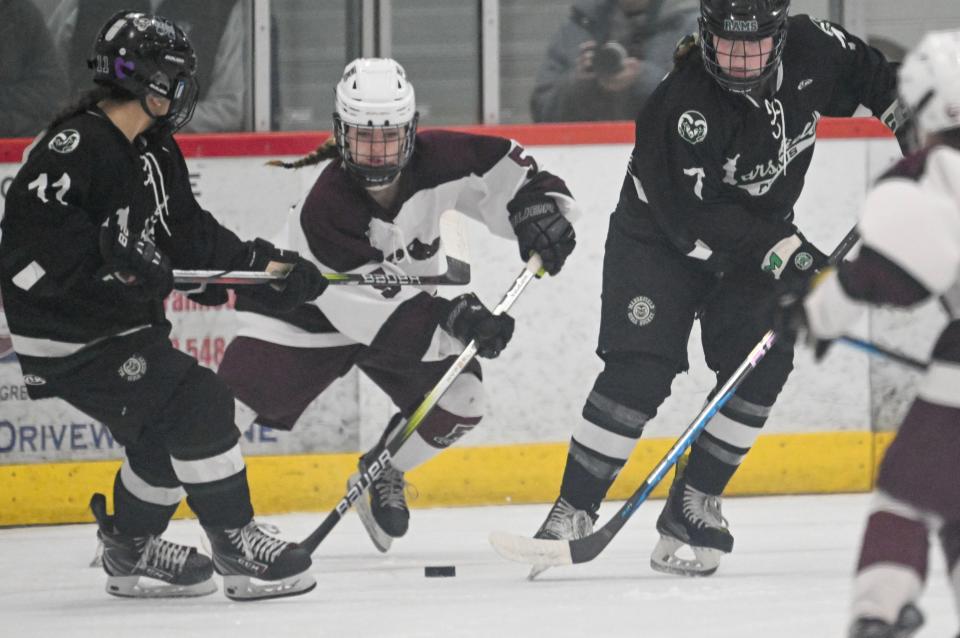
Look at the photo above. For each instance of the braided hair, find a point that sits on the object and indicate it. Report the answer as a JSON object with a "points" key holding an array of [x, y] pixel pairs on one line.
{"points": [[326, 151]]}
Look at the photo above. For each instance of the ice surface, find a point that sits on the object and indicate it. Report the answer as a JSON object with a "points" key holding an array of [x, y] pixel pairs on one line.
{"points": [[789, 576]]}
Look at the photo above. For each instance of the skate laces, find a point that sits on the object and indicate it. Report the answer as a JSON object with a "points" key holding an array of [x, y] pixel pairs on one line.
{"points": [[566, 521], [701, 509], [255, 544], [168, 556], [712, 508], [390, 488]]}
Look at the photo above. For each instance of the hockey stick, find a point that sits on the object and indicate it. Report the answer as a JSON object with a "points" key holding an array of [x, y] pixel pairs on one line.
{"points": [[406, 430], [872, 348], [452, 238], [550, 553]]}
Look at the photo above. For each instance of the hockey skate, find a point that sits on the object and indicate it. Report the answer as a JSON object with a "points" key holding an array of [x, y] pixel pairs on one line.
{"points": [[564, 522], [256, 565], [908, 622], [148, 566], [690, 518], [383, 509]]}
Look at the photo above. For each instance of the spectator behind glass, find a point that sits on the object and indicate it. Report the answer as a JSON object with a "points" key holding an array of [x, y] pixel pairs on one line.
{"points": [[32, 81], [608, 57], [215, 28]]}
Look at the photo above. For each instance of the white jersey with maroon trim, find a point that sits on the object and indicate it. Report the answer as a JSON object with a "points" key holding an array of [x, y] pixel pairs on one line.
{"points": [[911, 251], [342, 229]]}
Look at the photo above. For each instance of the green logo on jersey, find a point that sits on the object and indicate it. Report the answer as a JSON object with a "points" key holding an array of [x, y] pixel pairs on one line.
{"points": [[692, 127], [775, 263]]}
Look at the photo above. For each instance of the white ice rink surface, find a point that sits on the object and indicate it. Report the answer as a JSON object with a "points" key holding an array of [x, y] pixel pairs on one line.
{"points": [[789, 576]]}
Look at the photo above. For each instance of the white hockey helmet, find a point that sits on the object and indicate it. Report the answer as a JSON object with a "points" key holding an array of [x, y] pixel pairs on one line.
{"points": [[375, 105], [929, 83]]}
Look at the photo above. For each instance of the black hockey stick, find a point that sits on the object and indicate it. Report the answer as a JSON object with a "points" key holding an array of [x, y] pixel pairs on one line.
{"points": [[453, 241], [549, 553], [406, 430], [872, 348]]}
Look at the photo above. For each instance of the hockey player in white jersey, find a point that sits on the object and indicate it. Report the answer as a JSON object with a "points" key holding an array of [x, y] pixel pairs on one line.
{"points": [[911, 252], [375, 209]]}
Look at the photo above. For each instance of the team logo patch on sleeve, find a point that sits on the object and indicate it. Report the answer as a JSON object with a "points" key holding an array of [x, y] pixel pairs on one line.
{"points": [[65, 141], [641, 310], [692, 127]]}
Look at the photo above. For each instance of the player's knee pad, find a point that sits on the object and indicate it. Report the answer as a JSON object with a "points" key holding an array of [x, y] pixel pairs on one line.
{"points": [[458, 411], [763, 385], [636, 381], [465, 397], [199, 419]]}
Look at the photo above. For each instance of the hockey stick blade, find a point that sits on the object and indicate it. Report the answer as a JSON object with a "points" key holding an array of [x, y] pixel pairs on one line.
{"points": [[533, 551], [550, 553]]}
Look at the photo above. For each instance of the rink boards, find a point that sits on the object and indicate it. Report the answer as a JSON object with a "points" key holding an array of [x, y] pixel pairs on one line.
{"points": [[824, 435]]}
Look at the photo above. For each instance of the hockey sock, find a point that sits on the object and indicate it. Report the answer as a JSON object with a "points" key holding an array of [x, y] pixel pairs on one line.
{"points": [[217, 489], [457, 412], [723, 444], [599, 449], [893, 560], [135, 516]]}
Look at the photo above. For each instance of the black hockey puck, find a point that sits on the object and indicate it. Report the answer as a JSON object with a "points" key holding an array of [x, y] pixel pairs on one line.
{"points": [[441, 571]]}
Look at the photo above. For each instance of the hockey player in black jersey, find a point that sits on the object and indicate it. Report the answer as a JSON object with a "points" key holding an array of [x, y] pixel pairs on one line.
{"points": [[704, 229], [95, 219]]}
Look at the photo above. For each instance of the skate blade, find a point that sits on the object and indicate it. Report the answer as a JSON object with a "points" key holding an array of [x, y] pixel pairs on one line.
{"points": [[143, 587], [664, 559], [381, 540], [245, 588]]}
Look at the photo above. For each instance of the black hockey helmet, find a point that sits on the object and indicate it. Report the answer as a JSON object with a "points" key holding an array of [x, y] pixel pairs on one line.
{"points": [[749, 20], [143, 54]]}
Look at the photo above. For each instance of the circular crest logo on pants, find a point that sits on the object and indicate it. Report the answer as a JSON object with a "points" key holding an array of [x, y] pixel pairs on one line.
{"points": [[641, 311], [133, 368]]}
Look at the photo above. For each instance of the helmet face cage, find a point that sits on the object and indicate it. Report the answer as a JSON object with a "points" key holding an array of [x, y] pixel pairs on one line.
{"points": [[375, 154], [145, 55], [743, 22]]}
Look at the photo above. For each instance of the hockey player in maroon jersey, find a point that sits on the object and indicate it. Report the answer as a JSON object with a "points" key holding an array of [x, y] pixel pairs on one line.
{"points": [[704, 229], [95, 220], [375, 209], [910, 229]]}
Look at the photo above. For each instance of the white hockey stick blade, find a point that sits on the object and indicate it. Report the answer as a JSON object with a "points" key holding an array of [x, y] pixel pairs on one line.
{"points": [[532, 551], [453, 235]]}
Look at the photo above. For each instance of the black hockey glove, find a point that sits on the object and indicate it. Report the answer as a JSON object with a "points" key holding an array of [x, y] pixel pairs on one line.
{"points": [[211, 295], [303, 282], [792, 261], [790, 318], [541, 228], [469, 320], [142, 270]]}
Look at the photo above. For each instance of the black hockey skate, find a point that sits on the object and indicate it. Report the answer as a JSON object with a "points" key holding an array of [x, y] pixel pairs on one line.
{"points": [[148, 566], [564, 522], [908, 622], [383, 509], [690, 518], [256, 565]]}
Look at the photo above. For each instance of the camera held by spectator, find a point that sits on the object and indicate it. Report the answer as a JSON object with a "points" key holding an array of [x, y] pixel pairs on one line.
{"points": [[608, 55]]}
